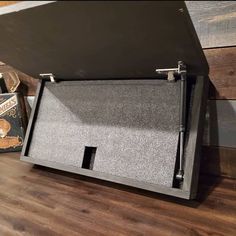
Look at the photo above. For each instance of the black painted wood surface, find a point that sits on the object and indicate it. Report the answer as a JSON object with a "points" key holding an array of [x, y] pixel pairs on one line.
{"points": [[101, 39]]}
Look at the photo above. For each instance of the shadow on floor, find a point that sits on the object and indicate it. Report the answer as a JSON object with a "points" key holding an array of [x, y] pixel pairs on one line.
{"points": [[206, 186]]}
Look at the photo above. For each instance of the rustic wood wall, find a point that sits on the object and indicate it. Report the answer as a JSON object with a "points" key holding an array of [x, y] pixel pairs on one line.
{"points": [[214, 21], [6, 3], [219, 152], [215, 24]]}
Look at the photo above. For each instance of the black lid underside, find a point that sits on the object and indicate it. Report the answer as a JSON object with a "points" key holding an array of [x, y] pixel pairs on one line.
{"points": [[94, 40]]}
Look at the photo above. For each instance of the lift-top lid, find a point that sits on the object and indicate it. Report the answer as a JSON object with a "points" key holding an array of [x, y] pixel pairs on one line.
{"points": [[100, 39]]}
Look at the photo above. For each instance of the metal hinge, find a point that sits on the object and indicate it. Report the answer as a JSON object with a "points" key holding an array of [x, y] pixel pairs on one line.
{"points": [[48, 76], [182, 72], [171, 72]]}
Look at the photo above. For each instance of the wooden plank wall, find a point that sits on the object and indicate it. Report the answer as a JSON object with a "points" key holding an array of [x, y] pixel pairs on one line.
{"points": [[6, 3], [219, 152], [215, 24], [214, 21], [219, 156]]}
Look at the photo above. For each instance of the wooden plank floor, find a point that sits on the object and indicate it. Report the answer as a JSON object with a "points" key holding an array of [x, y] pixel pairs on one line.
{"points": [[41, 201]]}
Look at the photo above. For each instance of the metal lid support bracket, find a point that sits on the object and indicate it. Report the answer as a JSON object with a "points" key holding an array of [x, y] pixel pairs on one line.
{"points": [[48, 76], [180, 70]]}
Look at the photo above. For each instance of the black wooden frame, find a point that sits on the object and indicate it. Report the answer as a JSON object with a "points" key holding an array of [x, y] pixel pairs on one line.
{"points": [[188, 189]]}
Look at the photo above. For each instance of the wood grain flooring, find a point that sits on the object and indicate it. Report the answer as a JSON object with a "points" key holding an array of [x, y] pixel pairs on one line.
{"points": [[41, 201]]}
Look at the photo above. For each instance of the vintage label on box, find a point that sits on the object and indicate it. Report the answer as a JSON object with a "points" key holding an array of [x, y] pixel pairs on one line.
{"points": [[11, 126]]}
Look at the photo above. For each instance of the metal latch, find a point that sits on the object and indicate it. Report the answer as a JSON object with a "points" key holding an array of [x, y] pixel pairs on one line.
{"points": [[180, 70], [48, 76], [170, 72]]}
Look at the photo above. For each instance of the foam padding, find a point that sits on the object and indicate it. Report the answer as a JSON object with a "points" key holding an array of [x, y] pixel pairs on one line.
{"points": [[134, 125]]}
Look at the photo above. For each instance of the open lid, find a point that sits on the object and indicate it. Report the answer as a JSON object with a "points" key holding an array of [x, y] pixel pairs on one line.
{"points": [[88, 40]]}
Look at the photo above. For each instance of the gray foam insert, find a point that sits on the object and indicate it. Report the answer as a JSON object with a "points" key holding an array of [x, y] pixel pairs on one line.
{"points": [[133, 124]]}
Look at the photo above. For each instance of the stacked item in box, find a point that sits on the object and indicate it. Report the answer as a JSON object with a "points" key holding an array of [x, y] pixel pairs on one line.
{"points": [[12, 114]]}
